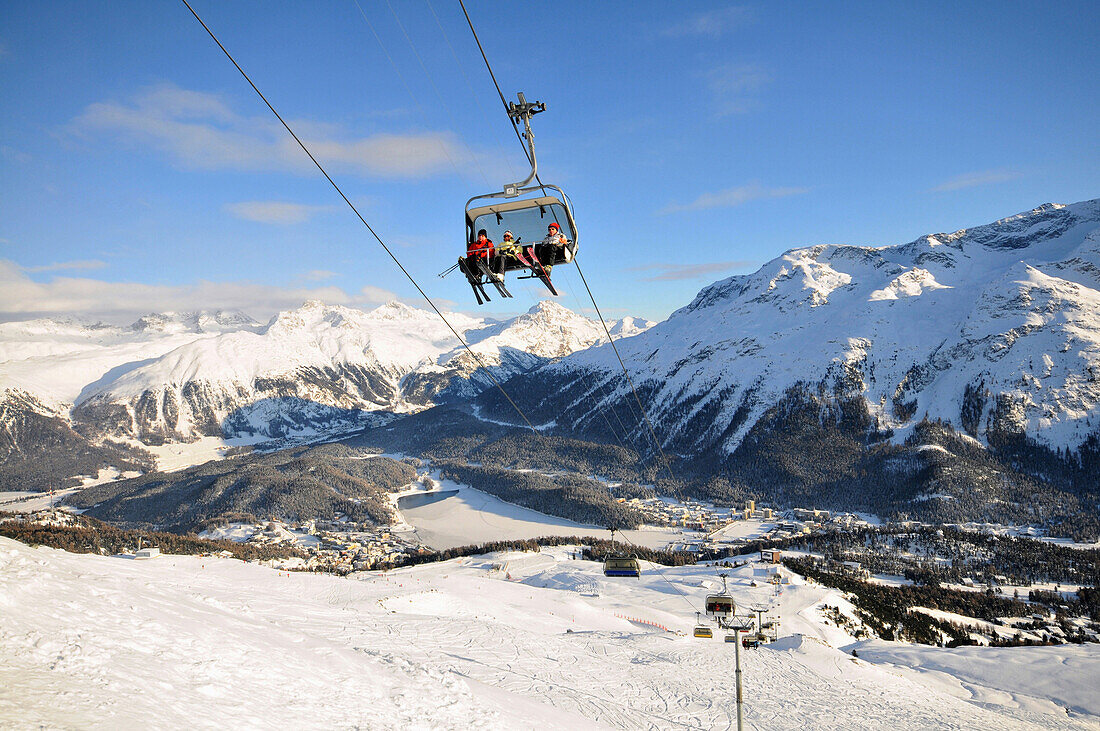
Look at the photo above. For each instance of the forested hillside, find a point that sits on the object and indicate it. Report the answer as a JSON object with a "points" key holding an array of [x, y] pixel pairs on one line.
{"points": [[290, 485]]}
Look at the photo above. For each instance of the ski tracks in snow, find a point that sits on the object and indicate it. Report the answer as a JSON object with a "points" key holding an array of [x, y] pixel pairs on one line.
{"points": [[92, 641]]}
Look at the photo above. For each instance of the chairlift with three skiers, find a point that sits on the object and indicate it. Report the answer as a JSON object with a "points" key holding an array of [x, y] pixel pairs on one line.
{"points": [[539, 219]]}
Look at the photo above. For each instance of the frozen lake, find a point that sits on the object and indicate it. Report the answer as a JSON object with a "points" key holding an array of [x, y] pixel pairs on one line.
{"points": [[471, 516]]}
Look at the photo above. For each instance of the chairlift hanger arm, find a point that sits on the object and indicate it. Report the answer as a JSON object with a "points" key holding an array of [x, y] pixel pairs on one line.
{"points": [[524, 110]]}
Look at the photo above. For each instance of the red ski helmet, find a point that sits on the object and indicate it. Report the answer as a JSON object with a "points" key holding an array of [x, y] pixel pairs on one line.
{"points": [[554, 225]]}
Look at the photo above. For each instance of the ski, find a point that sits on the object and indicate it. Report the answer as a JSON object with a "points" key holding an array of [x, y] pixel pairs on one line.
{"points": [[494, 279], [475, 282], [521, 260], [541, 273]]}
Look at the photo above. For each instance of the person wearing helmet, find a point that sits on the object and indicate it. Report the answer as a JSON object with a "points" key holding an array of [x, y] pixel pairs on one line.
{"points": [[547, 251]]}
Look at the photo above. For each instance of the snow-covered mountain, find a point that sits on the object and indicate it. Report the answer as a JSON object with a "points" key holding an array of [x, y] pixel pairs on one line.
{"points": [[994, 330], [175, 377], [197, 322], [57, 359]]}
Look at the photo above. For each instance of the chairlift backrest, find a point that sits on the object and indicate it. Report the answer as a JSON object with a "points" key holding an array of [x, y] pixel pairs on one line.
{"points": [[622, 566], [720, 605], [525, 217]]}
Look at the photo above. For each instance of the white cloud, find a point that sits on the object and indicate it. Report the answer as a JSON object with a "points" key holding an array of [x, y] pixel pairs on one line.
{"points": [[200, 131], [735, 86], [376, 294], [712, 23], [68, 266], [731, 197], [22, 298], [983, 177], [676, 272], [276, 212]]}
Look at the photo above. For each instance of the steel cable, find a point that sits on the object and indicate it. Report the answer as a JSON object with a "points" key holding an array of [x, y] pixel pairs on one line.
{"points": [[364, 221]]}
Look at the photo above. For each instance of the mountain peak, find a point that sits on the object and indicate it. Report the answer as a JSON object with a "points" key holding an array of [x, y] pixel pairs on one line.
{"points": [[394, 310], [312, 314], [549, 306], [200, 321]]}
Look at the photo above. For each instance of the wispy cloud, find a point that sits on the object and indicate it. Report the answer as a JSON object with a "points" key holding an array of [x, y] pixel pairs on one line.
{"points": [[735, 86], [676, 272], [317, 275], [10, 153], [731, 197], [972, 180], [21, 297], [201, 131], [711, 23], [276, 212], [84, 264]]}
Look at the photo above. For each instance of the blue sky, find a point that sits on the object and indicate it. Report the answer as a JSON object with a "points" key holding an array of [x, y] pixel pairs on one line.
{"points": [[138, 171]]}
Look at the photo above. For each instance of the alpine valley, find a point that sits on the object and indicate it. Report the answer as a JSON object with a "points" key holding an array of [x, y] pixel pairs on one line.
{"points": [[955, 377], [91, 396]]}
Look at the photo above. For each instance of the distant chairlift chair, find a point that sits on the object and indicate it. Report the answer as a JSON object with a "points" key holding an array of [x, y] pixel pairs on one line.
{"points": [[616, 563]]}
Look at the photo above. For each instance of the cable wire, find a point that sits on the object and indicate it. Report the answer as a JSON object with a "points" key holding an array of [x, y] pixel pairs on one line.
{"points": [[405, 83], [614, 347], [364, 221], [660, 573], [515, 127], [435, 88], [461, 70]]}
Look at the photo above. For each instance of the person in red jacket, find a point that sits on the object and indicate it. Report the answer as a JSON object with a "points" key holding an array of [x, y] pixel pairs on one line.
{"points": [[481, 247], [478, 251]]}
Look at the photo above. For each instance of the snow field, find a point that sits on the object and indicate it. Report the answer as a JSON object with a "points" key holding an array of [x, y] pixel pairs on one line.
{"points": [[103, 642], [471, 516]]}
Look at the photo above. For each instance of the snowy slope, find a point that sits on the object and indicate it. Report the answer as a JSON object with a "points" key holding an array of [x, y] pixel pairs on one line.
{"points": [[204, 643], [1009, 311], [546, 332]]}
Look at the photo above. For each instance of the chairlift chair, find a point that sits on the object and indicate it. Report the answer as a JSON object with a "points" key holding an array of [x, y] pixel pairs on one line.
{"points": [[619, 564], [525, 210], [701, 630], [720, 606], [622, 566]]}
